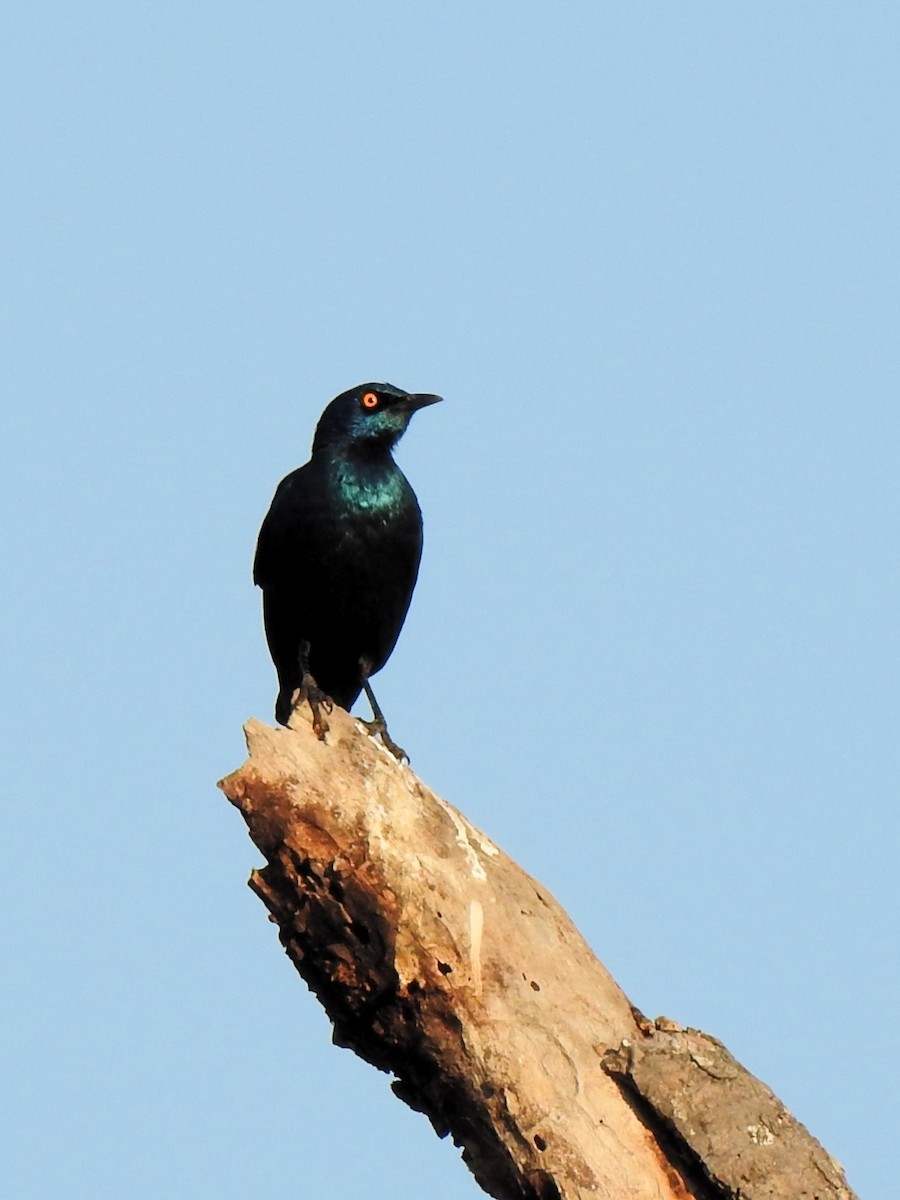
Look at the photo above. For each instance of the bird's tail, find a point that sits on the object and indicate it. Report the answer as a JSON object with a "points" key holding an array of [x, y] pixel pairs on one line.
{"points": [[284, 705]]}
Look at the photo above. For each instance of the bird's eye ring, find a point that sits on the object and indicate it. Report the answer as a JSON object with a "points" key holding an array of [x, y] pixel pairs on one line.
{"points": [[370, 400]]}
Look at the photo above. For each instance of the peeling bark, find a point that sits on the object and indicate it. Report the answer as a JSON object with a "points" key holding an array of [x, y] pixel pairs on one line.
{"points": [[439, 960]]}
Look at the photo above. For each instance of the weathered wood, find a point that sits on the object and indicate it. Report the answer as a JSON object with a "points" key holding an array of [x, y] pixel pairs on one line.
{"points": [[721, 1119], [439, 959]]}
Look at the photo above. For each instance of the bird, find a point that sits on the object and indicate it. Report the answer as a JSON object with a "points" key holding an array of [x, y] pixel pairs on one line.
{"points": [[338, 555]]}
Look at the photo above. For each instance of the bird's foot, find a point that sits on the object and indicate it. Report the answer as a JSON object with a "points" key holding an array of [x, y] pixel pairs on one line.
{"points": [[379, 726], [319, 702]]}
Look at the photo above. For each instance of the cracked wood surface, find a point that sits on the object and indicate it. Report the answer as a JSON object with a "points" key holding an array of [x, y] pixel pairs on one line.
{"points": [[440, 960]]}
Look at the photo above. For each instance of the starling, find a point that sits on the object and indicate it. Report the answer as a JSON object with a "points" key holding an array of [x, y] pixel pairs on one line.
{"points": [[338, 555]]}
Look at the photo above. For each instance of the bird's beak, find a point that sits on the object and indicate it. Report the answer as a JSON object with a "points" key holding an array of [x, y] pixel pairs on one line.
{"points": [[417, 400]]}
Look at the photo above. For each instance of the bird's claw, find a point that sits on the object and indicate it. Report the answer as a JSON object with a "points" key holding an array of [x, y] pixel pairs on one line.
{"points": [[379, 727], [310, 693]]}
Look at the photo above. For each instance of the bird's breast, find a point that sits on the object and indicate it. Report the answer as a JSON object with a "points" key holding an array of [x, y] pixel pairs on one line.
{"points": [[379, 495]]}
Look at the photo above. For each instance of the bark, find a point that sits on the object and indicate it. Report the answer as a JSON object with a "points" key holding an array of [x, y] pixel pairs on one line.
{"points": [[440, 960]]}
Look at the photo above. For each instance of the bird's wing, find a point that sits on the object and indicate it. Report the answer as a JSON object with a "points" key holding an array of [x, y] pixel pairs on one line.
{"points": [[287, 529]]}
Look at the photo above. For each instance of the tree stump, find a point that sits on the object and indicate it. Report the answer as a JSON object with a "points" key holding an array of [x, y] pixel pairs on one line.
{"points": [[440, 960]]}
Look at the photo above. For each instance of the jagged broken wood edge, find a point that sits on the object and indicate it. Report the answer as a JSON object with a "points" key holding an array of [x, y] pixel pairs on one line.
{"points": [[440, 960]]}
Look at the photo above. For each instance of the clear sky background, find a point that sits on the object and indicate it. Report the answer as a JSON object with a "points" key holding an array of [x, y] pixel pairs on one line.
{"points": [[649, 254]]}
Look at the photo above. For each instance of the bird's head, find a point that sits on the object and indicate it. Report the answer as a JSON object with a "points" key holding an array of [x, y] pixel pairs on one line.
{"points": [[372, 415]]}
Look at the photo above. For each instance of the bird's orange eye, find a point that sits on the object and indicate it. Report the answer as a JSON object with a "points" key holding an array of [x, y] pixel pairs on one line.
{"points": [[370, 400]]}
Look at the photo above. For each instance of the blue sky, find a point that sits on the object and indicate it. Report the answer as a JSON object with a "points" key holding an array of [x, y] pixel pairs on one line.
{"points": [[649, 255]]}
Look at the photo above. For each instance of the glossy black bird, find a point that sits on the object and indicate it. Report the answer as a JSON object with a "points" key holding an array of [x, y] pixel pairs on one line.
{"points": [[338, 555]]}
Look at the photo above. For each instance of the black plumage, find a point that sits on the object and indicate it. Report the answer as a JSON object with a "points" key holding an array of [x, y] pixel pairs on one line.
{"points": [[338, 554]]}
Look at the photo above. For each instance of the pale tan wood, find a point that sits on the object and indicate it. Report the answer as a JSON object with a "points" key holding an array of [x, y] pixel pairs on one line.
{"points": [[441, 960]]}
